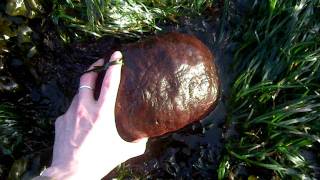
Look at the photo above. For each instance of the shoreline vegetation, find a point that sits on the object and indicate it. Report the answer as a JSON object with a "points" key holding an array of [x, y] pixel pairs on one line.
{"points": [[124, 19], [275, 102], [272, 127]]}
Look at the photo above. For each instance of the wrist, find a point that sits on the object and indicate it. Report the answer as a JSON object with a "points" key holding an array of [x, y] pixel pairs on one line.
{"points": [[58, 173], [67, 173]]}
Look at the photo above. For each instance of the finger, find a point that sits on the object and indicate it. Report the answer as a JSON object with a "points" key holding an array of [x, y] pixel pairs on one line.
{"points": [[141, 141], [111, 81], [88, 80], [138, 147]]}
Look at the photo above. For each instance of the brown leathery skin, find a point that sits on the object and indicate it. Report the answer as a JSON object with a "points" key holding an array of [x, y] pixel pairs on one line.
{"points": [[167, 82]]}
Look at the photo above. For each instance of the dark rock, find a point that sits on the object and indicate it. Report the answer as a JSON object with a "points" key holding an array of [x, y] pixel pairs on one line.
{"points": [[7, 84], [167, 82]]}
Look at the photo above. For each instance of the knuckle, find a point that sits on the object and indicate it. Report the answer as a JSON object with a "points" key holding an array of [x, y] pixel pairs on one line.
{"points": [[106, 85], [81, 111]]}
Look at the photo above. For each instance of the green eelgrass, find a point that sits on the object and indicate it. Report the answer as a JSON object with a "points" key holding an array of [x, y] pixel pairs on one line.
{"points": [[124, 18], [124, 172], [275, 98], [10, 136], [22, 132]]}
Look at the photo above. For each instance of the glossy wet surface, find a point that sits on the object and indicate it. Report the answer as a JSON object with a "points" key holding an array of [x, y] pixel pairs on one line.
{"points": [[168, 81], [194, 151]]}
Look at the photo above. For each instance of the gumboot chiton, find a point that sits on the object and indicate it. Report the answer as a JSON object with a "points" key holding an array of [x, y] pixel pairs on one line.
{"points": [[167, 82]]}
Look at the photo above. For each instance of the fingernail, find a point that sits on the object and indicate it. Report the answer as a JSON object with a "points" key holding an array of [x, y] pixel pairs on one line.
{"points": [[117, 55]]}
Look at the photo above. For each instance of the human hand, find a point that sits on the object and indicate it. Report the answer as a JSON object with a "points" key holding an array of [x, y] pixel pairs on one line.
{"points": [[87, 144]]}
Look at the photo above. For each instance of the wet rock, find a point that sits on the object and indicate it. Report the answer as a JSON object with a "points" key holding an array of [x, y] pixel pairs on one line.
{"points": [[7, 84], [167, 82]]}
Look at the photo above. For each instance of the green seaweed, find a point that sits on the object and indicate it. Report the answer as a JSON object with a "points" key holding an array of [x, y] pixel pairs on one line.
{"points": [[26, 8], [24, 28], [275, 100], [9, 137], [126, 19]]}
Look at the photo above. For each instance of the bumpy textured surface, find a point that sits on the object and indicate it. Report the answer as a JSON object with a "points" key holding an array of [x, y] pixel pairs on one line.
{"points": [[167, 82]]}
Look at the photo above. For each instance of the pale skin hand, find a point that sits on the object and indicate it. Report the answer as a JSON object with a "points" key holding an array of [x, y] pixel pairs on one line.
{"points": [[87, 144]]}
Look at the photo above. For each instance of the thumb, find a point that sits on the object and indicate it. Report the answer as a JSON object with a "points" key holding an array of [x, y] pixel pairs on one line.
{"points": [[137, 147]]}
